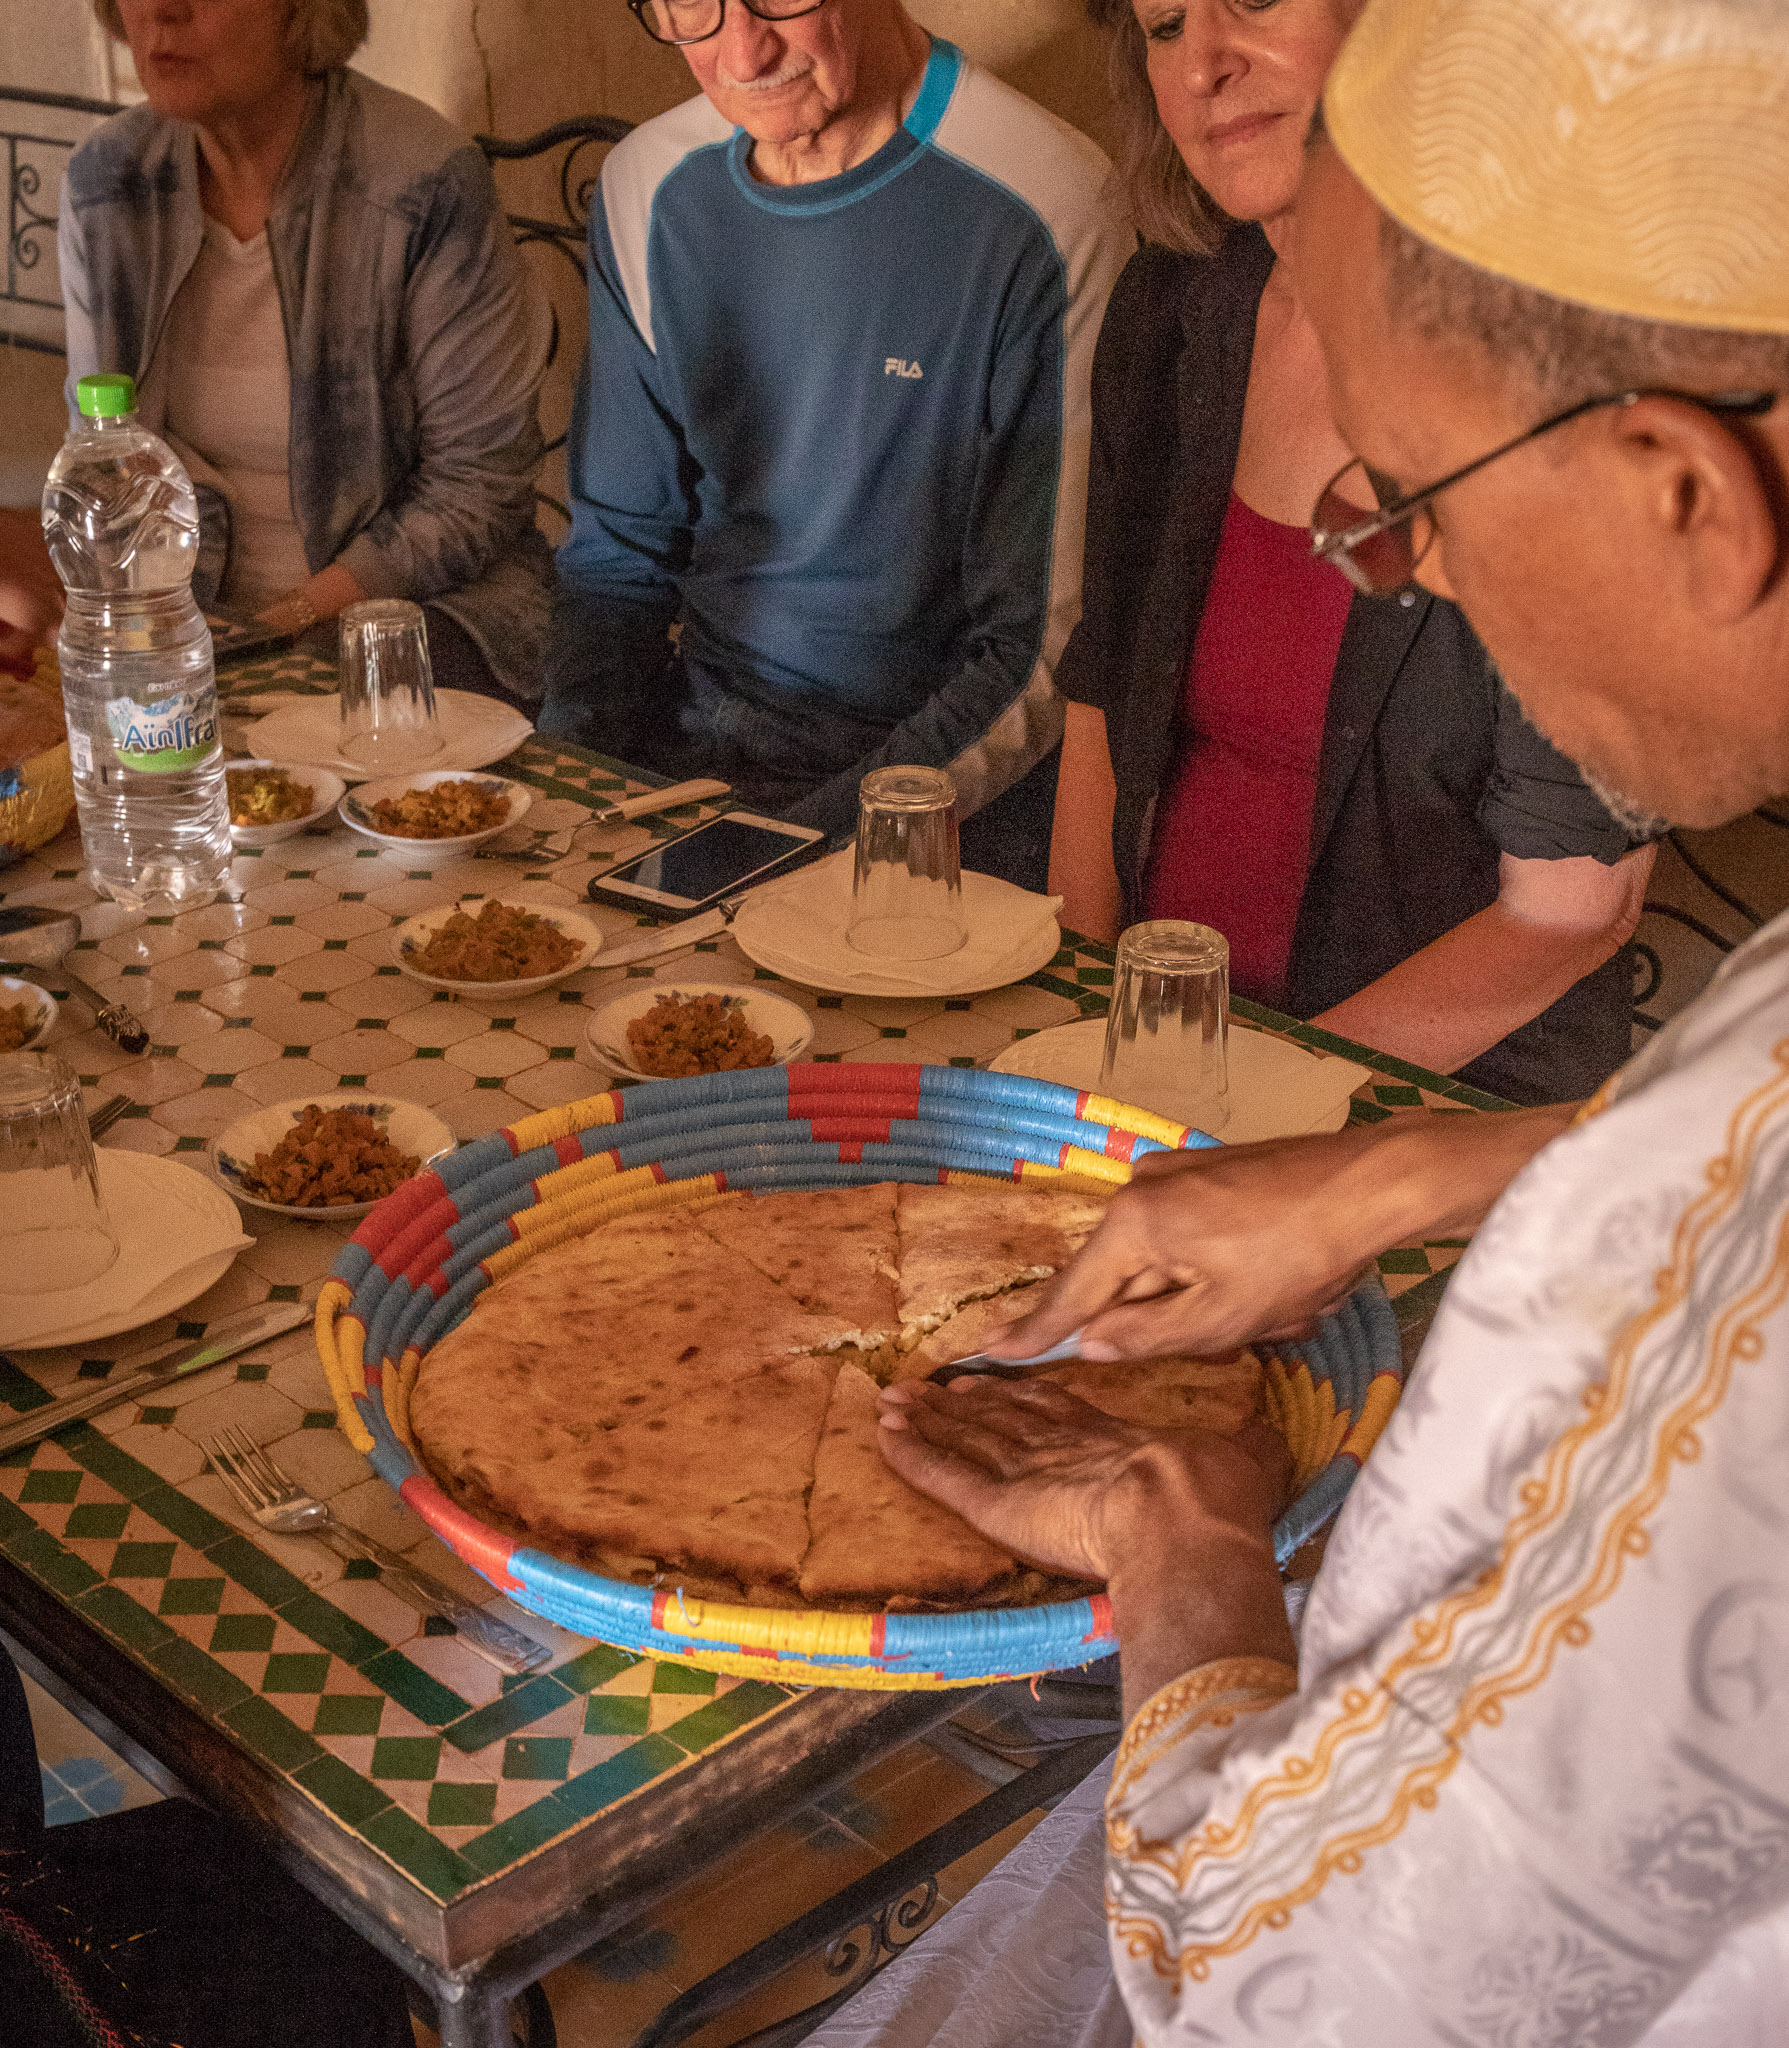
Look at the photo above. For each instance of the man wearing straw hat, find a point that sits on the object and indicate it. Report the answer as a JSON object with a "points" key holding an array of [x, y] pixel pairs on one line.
{"points": [[1525, 1778]]}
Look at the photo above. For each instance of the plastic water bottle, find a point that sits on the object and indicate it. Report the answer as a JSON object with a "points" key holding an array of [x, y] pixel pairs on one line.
{"points": [[122, 523]]}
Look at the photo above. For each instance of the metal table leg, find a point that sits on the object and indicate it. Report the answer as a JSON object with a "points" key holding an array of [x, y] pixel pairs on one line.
{"points": [[477, 2018]]}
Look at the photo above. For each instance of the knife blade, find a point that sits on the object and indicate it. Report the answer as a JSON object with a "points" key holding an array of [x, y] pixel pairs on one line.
{"points": [[704, 790], [982, 1365], [157, 1366], [706, 924]]}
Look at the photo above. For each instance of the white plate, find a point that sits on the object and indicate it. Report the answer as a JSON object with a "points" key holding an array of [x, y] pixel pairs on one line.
{"points": [[328, 790], [356, 810], [1277, 1089], [409, 1127], [416, 932], [788, 1027], [475, 731], [796, 928], [13, 991], [158, 1208]]}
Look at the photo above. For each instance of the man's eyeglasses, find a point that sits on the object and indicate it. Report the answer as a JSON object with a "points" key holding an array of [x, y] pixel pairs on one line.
{"points": [[1379, 552], [694, 21]]}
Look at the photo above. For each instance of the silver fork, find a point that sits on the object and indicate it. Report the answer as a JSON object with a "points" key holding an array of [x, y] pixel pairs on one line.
{"points": [[276, 1503], [108, 1113]]}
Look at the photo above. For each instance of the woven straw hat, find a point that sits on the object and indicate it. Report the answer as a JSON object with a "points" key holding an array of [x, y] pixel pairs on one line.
{"points": [[1631, 155]]}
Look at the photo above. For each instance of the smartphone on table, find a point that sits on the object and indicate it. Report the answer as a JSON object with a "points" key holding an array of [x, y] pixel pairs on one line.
{"points": [[693, 873]]}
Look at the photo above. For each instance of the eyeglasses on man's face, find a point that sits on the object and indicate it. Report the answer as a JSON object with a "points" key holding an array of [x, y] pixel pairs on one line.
{"points": [[694, 21], [1380, 551]]}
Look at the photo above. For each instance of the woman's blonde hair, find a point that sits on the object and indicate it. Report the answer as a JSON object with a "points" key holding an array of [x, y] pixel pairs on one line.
{"points": [[1166, 203], [320, 34]]}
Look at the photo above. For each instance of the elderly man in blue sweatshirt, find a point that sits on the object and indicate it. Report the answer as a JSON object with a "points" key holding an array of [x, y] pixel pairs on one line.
{"points": [[833, 426]]}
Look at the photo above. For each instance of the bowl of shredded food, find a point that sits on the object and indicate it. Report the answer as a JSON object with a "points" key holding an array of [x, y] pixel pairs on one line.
{"points": [[487, 946], [329, 1158], [26, 1014], [272, 801], [672, 1031], [444, 809]]}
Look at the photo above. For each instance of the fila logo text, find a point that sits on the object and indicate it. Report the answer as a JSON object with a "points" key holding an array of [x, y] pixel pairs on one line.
{"points": [[898, 366]]}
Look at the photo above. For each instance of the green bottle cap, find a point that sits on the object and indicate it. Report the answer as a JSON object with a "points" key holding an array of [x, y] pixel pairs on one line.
{"points": [[106, 396]]}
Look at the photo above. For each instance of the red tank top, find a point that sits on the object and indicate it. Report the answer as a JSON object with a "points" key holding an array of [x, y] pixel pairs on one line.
{"points": [[1231, 845]]}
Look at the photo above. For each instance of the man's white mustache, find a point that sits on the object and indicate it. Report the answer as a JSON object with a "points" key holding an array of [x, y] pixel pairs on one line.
{"points": [[796, 67]]}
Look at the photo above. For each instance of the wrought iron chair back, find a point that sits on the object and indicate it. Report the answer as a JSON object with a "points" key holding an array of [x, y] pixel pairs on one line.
{"points": [[571, 152]]}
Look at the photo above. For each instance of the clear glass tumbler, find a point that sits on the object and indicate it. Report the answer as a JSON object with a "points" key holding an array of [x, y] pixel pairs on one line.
{"points": [[53, 1219], [1168, 1031], [907, 889], [389, 720]]}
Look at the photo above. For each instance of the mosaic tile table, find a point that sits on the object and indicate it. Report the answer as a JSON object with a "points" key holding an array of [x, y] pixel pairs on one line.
{"points": [[457, 1816]]}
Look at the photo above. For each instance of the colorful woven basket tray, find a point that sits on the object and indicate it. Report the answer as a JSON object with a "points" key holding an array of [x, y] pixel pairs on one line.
{"points": [[414, 1267]]}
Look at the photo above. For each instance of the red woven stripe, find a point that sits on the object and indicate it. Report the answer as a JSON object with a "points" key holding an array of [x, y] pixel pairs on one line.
{"points": [[482, 1548], [1102, 1619], [859, 1130], [1081, 1102], [1120, 1144], [433, 1256], [425, 1228], [568, 1152], [374, 1374], [878, 1635], [849, 1155], [886, 1090]]}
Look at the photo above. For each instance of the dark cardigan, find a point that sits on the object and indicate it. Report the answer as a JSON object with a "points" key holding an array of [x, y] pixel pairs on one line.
{"points": [[1428, 770]]}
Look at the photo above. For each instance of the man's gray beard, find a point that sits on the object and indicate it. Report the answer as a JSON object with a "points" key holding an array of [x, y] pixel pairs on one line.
{"points": [[1641, 825]]}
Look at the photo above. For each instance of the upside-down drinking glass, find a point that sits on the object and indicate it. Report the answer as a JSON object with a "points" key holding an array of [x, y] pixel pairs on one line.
{"points": [[907, 888], [389, 720], [53, 1219], [1168, 1031]]}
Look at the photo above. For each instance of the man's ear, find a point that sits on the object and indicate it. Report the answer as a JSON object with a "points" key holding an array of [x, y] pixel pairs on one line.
{"points": [[1701, 481]]}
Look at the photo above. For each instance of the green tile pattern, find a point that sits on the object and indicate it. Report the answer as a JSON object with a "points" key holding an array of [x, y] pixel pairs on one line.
{"points": [[317, 1670]]}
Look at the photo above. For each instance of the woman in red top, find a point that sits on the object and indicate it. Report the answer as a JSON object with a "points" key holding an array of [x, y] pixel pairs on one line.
{"points": [[1464, 879]]}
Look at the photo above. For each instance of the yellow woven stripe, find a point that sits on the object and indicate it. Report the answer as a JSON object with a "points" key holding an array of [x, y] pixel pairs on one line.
{"points": [[1096, 1166], [791, 1671], [1144, 1123], [340, 1339], [400, 1384], [553, 1222], [1304, 1412], [548, 1126], [1375, 1412], [570, 1181], [772, 1628]]}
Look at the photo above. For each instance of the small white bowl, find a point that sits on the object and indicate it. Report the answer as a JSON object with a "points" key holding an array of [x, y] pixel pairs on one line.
{"points": [[40, 1002], [327, 790], [409, 1127], [356, 809], [788, 1027], [414, 934]]}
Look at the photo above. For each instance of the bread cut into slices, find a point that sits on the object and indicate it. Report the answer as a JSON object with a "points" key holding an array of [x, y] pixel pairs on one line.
{"points": [[873, 1537], [969, 1239], [835, 1253], [633, 1352], [667, 1400], [715, 1479]]}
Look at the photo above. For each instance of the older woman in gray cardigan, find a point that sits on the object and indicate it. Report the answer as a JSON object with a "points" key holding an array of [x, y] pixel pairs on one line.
{"points": [[312, 281]]}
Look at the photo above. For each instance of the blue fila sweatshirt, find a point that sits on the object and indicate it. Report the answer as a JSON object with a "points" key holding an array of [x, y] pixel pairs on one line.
{"points": [[839, 432]]}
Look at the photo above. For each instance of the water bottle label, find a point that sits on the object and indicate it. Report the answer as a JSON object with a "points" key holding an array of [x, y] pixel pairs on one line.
{"points": [[172, 733], [80, 752]]}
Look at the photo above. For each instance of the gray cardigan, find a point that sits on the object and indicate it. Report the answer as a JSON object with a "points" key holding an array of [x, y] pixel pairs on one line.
{"points": [[415, 339]]}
